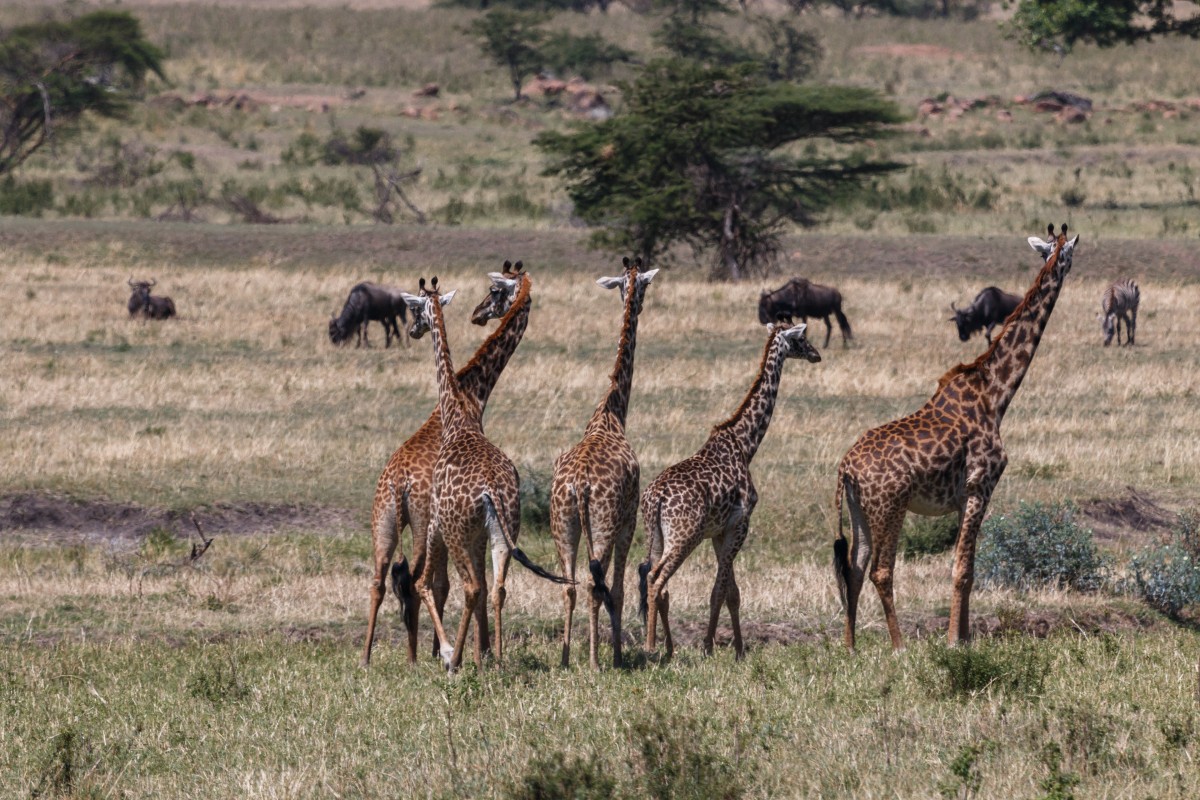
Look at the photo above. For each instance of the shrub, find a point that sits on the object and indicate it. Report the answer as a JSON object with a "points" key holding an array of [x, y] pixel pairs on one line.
{"points": [[28, 198], [1167, 577], [1016, 666], [1039, 545], [927, 536], [672, 765], [535, 497], [554, 777]]}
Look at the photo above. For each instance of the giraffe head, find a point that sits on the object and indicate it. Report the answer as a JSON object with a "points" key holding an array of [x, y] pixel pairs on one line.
{"points": [[1060, 244], [421, 306], [633, 277], [505, 286], [795, 343]]}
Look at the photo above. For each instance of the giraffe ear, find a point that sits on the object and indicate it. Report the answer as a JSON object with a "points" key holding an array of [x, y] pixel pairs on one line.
{"points": [[610, 283], [646, 277], [796, 332], [447, 297], [1043, 248], [412, 301]]}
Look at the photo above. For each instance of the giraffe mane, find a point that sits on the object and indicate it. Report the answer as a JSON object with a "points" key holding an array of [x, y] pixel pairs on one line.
{"points": [[762, 366], [522, 297], [978, 363]]}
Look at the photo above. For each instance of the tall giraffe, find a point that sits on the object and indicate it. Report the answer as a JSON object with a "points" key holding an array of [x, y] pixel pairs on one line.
{"points": [[475, 498], [402, 493], [947, 456], [711, 495], [595, 487]]}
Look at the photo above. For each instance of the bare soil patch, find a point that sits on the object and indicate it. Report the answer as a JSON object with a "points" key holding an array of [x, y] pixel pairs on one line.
{"points": [[58, 520], [1114, 518]]}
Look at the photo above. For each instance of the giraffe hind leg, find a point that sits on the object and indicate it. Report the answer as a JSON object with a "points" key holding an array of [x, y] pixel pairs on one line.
{"points": [[385, 536]]}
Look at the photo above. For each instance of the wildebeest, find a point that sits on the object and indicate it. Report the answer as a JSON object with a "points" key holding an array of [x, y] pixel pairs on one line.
{"points": [[989, 309], [143, 303], [369, 301], [802, 298], [1119, 302]]}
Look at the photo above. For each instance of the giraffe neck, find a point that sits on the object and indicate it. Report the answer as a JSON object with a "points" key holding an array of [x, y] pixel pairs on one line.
{"points": [[454, 406], [1005, 363], [481, 373], [616, 402], [748, 425]]}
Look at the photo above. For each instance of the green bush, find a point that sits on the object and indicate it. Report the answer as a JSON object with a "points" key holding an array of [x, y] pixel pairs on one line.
{"points": [[1039, 545], [1014, 666], [25, 198], [927, 536], [1167, 577], [535, 497], [554, 777]]}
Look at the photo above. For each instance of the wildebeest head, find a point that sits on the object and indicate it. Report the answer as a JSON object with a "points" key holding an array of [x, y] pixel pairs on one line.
{"points": [[501, 295], [141, 295], [964, 319]]}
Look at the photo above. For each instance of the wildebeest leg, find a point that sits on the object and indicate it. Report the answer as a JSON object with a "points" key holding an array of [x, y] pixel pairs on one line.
{"points": [[828, 330]]}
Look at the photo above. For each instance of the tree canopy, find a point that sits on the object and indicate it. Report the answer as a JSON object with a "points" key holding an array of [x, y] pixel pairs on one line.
{"points": [[1060, 24], [699, 155], [52, 72]]}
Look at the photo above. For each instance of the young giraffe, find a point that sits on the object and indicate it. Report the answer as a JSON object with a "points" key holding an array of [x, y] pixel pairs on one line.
{"points": [[402, 493], [475, 498], [948, 456], [595, 487], [711, 495]]}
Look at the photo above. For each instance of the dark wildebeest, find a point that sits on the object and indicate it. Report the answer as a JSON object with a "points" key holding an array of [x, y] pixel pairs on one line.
{"points": [[369, 301], [802, 298], [989, 309], [1119, 302], [149, 307]]}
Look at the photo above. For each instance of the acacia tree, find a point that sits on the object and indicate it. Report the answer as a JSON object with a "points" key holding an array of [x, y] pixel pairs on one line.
{"points": [[1060, 24], [699, 155], [52, 73]]}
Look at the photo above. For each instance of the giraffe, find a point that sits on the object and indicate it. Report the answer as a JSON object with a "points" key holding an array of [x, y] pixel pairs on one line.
{"points": [[711, 495], [595, 486], [402, 492], [475, 498], [947, 456]]}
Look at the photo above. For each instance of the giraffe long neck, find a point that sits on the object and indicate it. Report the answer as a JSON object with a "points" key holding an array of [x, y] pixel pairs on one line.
{"points": [[1005, 363], [478, 378], [616, 402], [749, 423], [453, 405]]}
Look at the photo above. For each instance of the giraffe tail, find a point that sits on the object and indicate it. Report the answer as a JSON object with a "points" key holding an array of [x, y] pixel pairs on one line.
{"points": [[402, 585], [650, 516], [841, 549], [518, 554], [599, 588]]}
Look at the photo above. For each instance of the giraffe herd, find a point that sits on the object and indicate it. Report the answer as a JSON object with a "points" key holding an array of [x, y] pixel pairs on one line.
{"points": [[458, 492]]}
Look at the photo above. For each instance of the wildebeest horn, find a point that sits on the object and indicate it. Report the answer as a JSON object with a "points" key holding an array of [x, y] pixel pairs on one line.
{"points": [[153, 282], [953, 307], [130, 282]]}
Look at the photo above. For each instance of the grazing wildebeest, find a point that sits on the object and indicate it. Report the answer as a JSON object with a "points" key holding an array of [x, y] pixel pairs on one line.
{"points": [[149, 307], [802, 298], [1120, 302], [369, 301], [989, 309]]}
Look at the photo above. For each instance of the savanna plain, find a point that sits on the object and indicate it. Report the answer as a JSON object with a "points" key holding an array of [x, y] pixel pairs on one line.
{"points": [[128, 670]]}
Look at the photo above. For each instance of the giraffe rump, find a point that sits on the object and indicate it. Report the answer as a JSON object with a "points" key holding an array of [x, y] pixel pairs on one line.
{"points": [[599, 586]]}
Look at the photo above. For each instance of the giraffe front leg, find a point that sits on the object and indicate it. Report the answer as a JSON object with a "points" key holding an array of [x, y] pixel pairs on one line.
{"points": [[719, 591], [733, 599], [426, 592]]}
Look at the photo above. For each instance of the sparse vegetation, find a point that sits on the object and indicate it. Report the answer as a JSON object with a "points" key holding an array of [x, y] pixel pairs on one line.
{"points": [[1040, 545]]}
